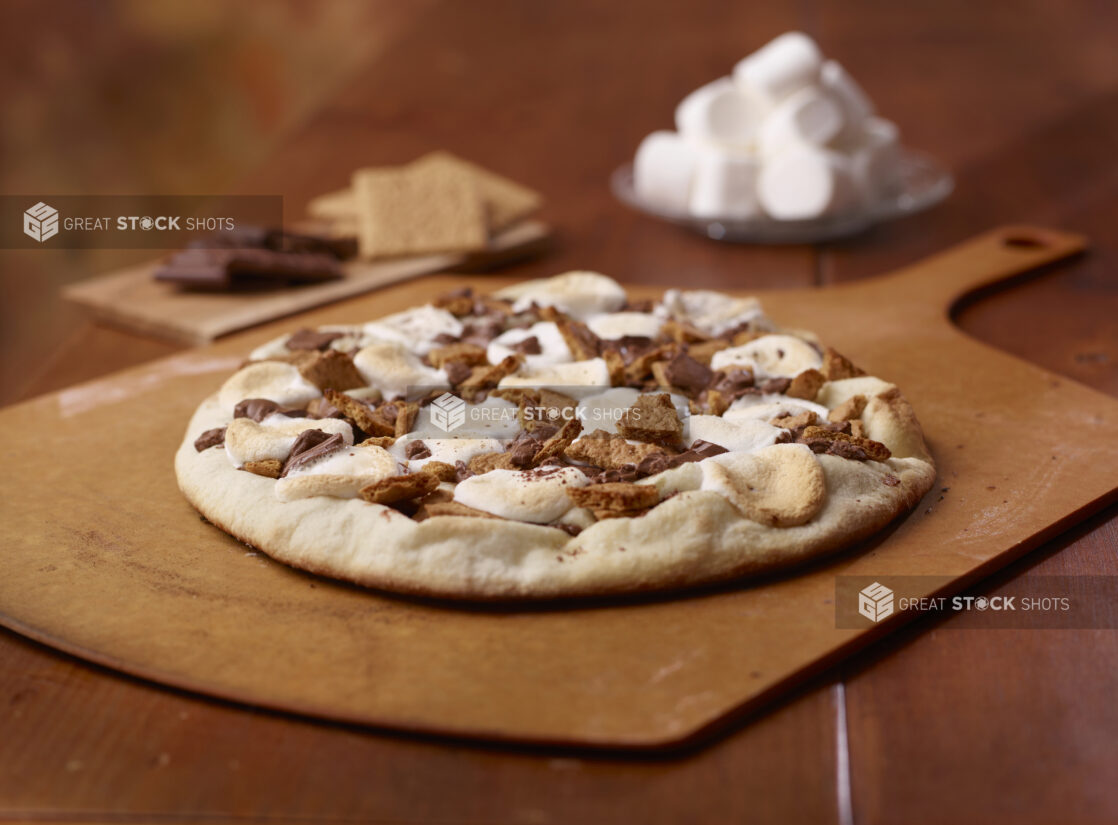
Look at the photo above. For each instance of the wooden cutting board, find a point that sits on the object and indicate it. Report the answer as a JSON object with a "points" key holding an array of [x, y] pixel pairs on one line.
{"points": [[102, 557], [133, 299]]}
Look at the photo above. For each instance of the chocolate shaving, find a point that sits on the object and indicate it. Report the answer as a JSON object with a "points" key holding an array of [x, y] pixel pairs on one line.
{"points": [[310, 446], [312, 339], [689, 375], [210, 438], [529, 346], [416, 450], [260, 408]]}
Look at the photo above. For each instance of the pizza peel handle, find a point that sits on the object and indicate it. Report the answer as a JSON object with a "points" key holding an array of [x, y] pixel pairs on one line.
{"points": [[1007, 251]]}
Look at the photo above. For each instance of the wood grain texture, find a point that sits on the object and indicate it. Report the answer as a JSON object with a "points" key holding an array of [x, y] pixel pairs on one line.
{"points": [[571, 89]]}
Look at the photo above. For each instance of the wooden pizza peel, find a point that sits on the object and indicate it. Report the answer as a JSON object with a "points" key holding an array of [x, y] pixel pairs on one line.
{"points": [[102, 557]]}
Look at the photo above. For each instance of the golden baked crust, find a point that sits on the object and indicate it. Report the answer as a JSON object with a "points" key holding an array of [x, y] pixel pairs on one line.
{"points": [[729, 515]]}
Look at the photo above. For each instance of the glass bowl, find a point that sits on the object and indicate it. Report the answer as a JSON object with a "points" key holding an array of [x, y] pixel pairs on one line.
{"points": [[924, 183]]}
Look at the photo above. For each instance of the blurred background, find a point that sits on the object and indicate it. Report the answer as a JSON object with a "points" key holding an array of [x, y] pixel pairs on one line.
{"points": [[189, 97]]}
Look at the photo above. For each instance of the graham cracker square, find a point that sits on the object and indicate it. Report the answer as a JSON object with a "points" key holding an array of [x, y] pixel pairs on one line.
{"points": [[418, 211]]}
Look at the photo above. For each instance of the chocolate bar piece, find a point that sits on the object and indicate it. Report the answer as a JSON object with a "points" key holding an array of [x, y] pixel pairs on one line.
{"points": [[218, 269]]}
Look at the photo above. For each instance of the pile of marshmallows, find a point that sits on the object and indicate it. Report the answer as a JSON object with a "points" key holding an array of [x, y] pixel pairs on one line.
{"points": [[790, 136]]}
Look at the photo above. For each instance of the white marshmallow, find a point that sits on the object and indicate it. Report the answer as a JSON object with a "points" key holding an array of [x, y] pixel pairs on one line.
{"points": [[391, 367], [415, 328], [725, 186], [553, 348], [876, 163], [579, 294], [561, 377], [712, 312], [852, 99], [536, 496], [768, 407], [274, 380], [786, 64], [619, 324], [746, 434], [717, 112], [447, 450], [663, 171], [802, 183], [807, 116], [770, 356]]}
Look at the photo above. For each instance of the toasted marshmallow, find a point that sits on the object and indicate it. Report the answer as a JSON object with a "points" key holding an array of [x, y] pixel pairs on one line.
{"points": [[536, 496], [590, 373], [741, 435], [773, 356], [446, 450], [274, 380], [786, 64], [712, 312], [664, 170], [579, 294], [801, 183], [808, 116], [340, 474], [273, 438], [718, 113], [768, 407], [725, 186], [415, 328], [553, 348], [391, 367], [619, 324]]}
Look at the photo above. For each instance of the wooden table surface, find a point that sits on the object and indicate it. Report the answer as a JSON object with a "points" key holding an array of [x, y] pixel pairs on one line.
{"points": [[936, 724]]}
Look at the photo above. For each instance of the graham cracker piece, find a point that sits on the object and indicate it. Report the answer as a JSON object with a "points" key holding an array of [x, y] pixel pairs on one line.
{"points": [[806, 385], [854, 447], [418, 211], [796, 422], [395, 489], [469, 354], [609, 450], [652, 418], [330, 369], [487, 376], [543, 408], [640, 367], [704, 350], [615, 363], [505, 201], [267, 467], [484, 462], [384, 441], [441, 470], [615, 495], [849, 409], [360, 413], [449, 508], [558, 443], [683, 333], [837, 366]]}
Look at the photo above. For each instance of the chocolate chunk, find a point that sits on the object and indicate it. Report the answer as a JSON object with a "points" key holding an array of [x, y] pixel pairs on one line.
{"points": [[416, 449], [458, 371], [569, 529], [260, 408], [522, 450], [776, 386], [732, 383], [461, 471], [224, 269], [310, 446], [445, 338], [689, 375], [210, 438], [311, 339], [843, 449], [705, 449], [529, 346]]}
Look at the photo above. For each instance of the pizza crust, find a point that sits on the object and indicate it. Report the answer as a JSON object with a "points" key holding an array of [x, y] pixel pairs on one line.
{"points": [[694, 537]]}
